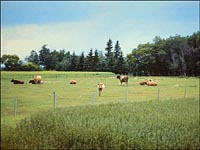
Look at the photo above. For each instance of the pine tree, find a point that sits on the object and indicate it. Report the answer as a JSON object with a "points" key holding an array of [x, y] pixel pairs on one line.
{"points": [[117, 50], [109, 56], [45, 57], [73, 64], [89, 61], [96, 60], [81, 62]]}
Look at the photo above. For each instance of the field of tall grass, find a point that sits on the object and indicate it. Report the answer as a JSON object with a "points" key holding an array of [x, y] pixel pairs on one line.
{"points": [[124, 117]]}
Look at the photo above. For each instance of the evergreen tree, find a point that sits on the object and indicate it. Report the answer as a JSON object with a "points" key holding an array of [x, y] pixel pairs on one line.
{"points": [[96, 60], [90, 61], [81, 62], [117, 50], [109, 56], [45, 57], [73, 62]]}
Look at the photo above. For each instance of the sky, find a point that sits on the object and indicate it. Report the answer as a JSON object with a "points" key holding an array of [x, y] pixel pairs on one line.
{"points": [[79, 26]]}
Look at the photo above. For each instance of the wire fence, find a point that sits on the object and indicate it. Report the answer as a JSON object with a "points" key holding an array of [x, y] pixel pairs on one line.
{"points": [[56, 92]]}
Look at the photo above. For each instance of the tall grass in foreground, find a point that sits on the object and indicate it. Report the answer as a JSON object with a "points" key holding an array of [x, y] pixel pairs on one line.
{"points": [[141, 125]]}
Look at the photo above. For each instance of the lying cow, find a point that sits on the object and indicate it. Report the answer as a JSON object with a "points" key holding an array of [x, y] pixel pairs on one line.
{"points": [[34, 82], [37, 79], [17, 81], [72, 82], [143, 82], [152, 83], [100, 87], [123, 79]]}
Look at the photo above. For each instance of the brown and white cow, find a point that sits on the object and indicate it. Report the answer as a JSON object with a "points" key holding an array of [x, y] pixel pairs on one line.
{"points": [[72, 82], [17, 81], [122, 79], [34, 82], [100, 87], [37, 79]]}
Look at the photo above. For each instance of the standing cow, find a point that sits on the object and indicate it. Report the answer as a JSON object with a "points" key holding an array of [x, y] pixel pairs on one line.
{"points": [[100, 87], [123, 79]]}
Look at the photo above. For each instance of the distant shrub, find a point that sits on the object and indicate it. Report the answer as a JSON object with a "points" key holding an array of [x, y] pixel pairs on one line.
{"points": [[29, 66]]}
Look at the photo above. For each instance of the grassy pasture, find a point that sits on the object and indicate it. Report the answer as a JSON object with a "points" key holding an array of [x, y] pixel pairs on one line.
{"points": [[34, 98], [109, 122]]}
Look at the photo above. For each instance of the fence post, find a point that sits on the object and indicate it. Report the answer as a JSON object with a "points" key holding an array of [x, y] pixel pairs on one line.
{"points": [[158, 97], [54, 100], [126, 95], [184, 92], [93, 97], [15, 106]]}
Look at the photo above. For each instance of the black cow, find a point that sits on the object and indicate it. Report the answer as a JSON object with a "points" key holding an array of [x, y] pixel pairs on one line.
{"points": [[17, 81]]}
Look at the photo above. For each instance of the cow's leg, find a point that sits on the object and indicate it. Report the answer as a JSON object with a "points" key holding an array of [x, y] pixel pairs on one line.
{"points": [[100, 91]]}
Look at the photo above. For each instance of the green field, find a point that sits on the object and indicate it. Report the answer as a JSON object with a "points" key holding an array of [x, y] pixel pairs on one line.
{"points": [[176, 111]]}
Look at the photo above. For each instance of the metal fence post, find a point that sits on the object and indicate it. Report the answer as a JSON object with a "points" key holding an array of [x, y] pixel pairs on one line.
{"points": [[126, 95], [54, 100], [93, 97], [15, 106], [184, 92], [158, 97]]}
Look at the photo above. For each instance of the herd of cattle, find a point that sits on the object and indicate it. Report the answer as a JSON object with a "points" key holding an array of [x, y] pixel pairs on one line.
{"points": [[37, 79]]}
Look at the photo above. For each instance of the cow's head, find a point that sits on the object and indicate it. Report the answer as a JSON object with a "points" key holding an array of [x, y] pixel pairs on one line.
{"points": [[118, 77]]}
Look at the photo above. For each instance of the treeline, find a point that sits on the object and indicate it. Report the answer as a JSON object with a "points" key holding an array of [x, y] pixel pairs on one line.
{"points": [[175, 55], [172, 56]]}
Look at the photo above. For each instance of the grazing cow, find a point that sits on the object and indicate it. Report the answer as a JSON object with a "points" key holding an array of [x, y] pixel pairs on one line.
{"points": [[100, 87], [17, 81], [37, 79], [123, 79], [151, 83], [143, 82], [72, 82]]}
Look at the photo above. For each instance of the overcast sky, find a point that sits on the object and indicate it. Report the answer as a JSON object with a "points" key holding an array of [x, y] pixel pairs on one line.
{"points": [[80, 26]]}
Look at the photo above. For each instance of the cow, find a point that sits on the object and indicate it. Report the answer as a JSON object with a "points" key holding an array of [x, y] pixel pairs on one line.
{"points": [[72, 82], [34, 82], [100, 87], [152, 83], [37, 79], [143, 82], [123, 79], [17, 81]]}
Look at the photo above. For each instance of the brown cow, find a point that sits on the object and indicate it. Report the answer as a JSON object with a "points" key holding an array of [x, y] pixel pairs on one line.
{"points": [[123, 79], [143, 82], [152, 83], [100, 87], [17, 81], [72, 82]]}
